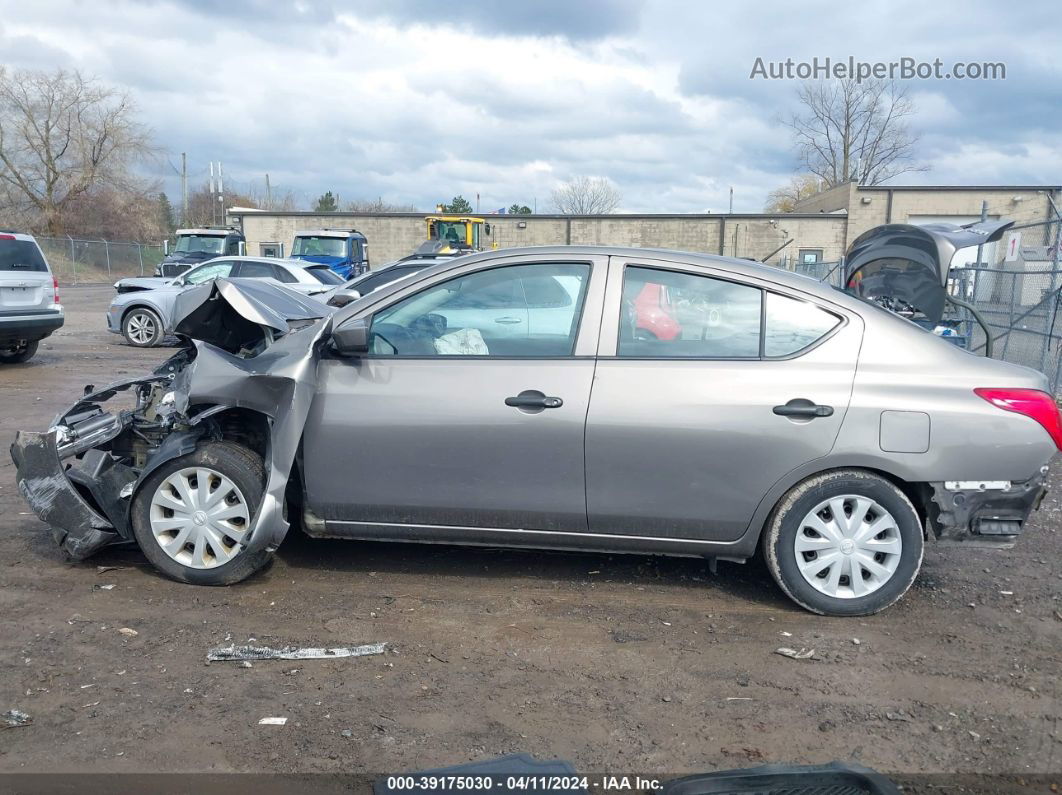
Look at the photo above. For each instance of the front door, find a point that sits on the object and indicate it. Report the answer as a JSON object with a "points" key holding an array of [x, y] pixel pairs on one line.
{"points": [[455, 419], [688, 425]]}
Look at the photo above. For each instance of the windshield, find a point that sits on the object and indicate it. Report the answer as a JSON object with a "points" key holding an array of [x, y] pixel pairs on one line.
{"points": [[20, 255], [210, 244], [313, 246], [454, 231], [325, 275]]}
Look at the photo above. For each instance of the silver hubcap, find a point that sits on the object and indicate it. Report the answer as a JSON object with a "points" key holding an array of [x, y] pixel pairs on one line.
{"points": [[199, 518], [141, 328], [848, 546]]}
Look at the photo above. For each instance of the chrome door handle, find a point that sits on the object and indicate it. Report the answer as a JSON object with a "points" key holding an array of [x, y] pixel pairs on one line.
{"points": [[508, 321], [799, 407]]}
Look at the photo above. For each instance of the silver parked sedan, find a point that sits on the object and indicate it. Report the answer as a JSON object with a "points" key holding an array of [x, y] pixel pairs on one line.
{"points": [[607, 399], [142, 311]]}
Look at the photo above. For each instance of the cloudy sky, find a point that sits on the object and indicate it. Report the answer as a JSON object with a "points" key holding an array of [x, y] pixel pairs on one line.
{"points": [[416, 101]]}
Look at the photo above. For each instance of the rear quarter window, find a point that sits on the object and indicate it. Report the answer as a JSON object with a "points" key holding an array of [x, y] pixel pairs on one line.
{"points": [[325, 275], [792, 325], [21, 255]]}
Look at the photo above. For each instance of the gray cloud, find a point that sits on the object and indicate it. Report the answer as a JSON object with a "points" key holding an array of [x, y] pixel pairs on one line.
{"points": [[415, 102]]}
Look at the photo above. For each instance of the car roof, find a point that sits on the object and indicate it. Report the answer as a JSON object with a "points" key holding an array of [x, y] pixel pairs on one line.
{"points": [[298, 264], [328, 233], [739, 267], [18, 235], [206, 232]]}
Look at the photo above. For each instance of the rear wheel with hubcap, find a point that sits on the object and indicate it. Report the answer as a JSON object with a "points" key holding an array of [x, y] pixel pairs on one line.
{"points": [[844, 543]]}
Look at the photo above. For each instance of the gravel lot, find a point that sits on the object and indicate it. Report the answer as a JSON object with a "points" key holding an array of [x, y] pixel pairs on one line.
{"points": [[619, 664]]}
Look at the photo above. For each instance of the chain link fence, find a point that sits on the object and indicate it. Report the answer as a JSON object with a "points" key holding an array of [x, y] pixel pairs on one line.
{"points": [[75, 261], [1014, 284]]}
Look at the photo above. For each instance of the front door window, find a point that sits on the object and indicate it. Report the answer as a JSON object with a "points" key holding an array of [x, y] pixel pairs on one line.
{"points": [[512, 311]]}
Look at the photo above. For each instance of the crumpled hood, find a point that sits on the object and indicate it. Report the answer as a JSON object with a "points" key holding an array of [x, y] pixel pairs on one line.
{"points": [[142, 283], [235, 314]]}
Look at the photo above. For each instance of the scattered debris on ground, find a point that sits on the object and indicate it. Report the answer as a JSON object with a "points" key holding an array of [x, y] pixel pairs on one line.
{"points": [[272, 721], [803, 654], [235, 653], [15, 718]]}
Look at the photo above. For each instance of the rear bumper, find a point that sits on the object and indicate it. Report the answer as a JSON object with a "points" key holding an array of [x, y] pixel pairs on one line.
{"points": [[29, 326], [985, 513]]}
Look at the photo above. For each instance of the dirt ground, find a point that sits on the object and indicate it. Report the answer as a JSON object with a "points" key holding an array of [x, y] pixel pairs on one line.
{"points": [[620, 664]]}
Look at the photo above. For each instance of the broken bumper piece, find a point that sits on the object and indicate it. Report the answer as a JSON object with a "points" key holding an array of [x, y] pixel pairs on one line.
{"points": [[986, 513], [78, 527]]}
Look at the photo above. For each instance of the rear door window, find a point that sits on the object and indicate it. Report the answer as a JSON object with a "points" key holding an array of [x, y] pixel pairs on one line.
{"points": [[674, 315], [793, 325], [21, 255], [325, 275]]}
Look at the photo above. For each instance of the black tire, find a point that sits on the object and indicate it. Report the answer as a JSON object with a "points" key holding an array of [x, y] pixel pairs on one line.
{"points": [[780, 534], [19, 355], [146, 318], [244, 468]]}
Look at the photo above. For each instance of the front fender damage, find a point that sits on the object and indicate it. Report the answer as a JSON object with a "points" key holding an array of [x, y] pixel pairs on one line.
{"points": [[250, 346]]}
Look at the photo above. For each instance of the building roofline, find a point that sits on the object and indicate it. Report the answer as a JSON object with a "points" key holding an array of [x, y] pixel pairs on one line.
{"points": [[956, 187], [547, 216]]}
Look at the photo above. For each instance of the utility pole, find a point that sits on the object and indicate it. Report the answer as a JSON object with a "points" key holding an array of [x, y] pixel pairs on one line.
{"points": [[731, 200], [184, 189], [221, 195], [269, 195], [213, 203]]}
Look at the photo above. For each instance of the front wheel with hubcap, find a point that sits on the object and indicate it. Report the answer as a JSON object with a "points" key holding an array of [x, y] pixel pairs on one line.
{"points": [[192, 515], [844, 543], [142, 328]]}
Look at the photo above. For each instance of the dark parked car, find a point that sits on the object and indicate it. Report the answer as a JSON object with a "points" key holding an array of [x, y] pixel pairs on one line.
{"points": [[507, 399]]}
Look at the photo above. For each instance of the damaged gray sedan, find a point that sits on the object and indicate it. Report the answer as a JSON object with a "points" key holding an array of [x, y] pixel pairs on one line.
{"points": [[586, 398]]}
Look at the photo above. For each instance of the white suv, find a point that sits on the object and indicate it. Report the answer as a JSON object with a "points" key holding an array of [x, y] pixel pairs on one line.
{"points": [[29, 298]]}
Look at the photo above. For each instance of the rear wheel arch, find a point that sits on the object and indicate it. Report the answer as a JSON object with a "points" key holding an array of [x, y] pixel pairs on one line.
{"points": [[919, 494]]}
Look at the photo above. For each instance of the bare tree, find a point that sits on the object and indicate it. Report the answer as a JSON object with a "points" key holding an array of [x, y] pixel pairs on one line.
{"points": [[785, 198], [378, 205], [850, 131], [586, 196], [63, 136]]}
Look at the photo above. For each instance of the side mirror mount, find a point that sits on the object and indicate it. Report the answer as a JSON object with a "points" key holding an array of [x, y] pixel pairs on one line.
{"points": [[342, 297], [352, 338]]}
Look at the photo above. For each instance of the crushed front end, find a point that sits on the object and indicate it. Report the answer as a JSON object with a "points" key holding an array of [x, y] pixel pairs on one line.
{"points": [[77, 476], [250, 351]]}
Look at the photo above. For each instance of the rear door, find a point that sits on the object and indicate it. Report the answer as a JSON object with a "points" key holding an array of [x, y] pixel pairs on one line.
{"points": [[25, 282], [685, 434]]}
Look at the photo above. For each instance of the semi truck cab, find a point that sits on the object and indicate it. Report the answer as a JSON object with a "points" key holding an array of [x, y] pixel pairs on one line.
{"points": [[345, 251]]}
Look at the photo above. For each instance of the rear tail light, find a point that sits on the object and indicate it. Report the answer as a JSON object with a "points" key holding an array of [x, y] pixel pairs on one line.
{"points": [[7, 237], [55, 290], [1033, 403]]}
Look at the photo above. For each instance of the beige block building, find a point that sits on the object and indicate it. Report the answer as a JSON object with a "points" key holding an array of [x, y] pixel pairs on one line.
{"points": [[820, 230]]}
